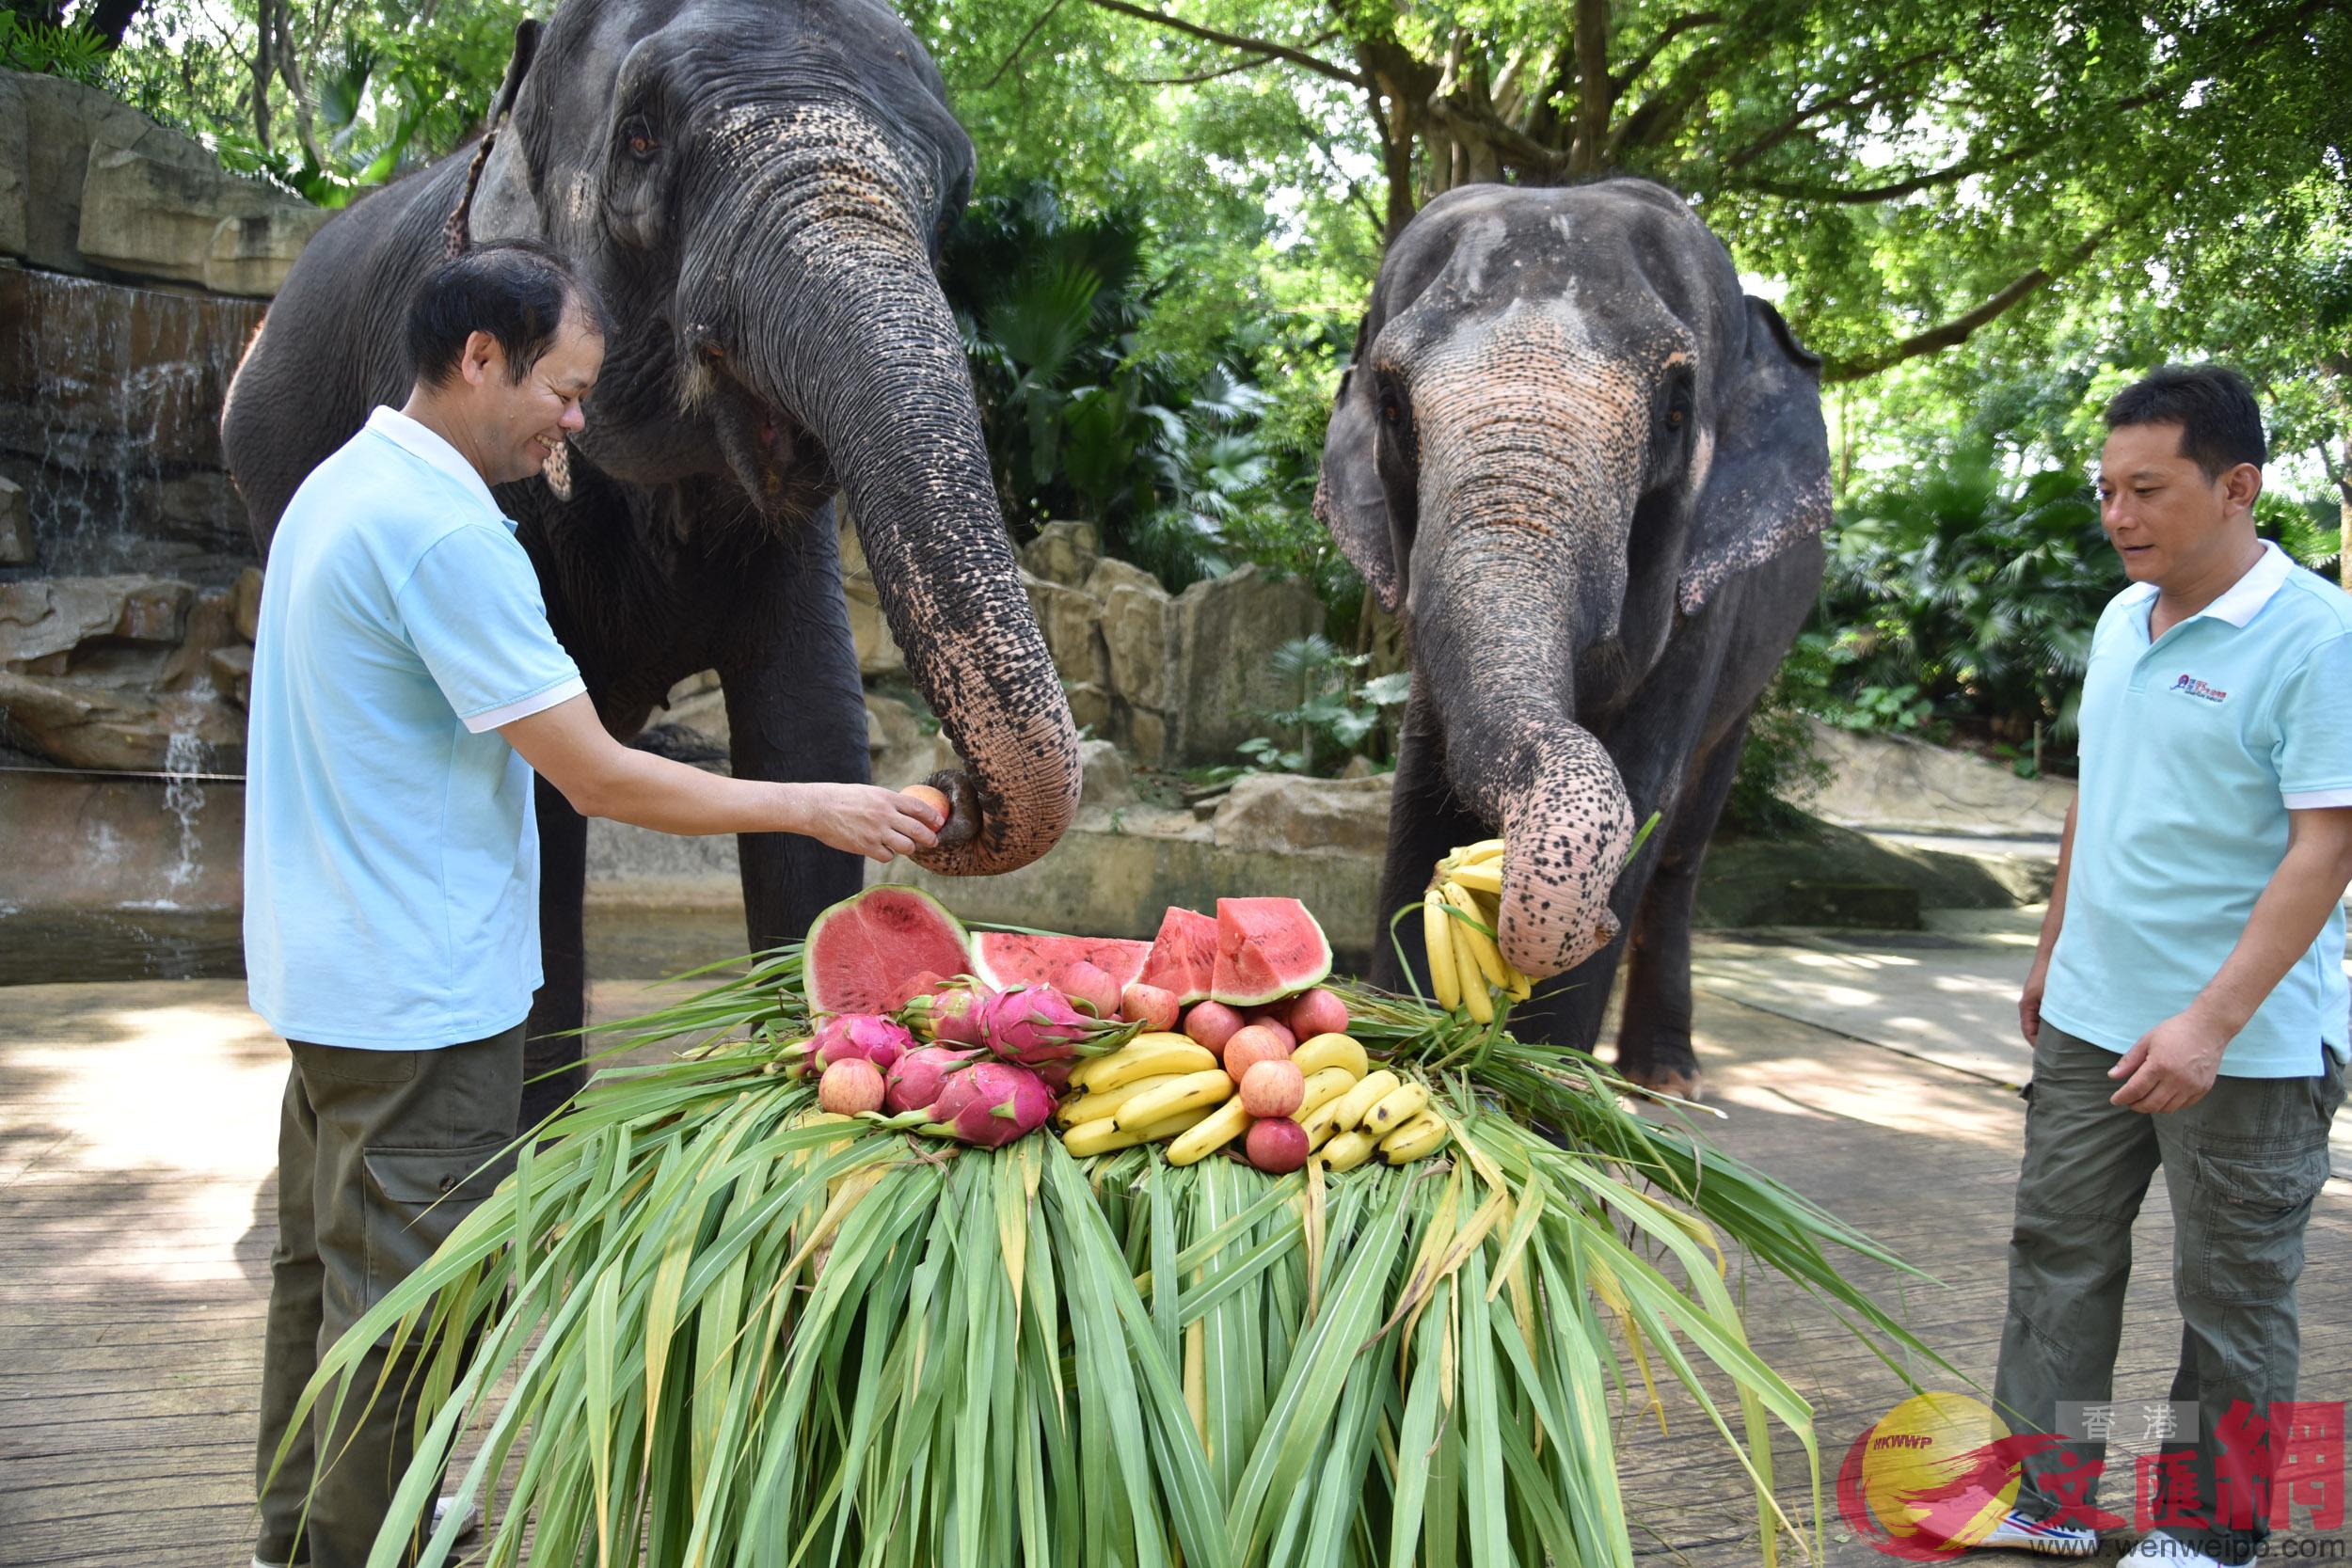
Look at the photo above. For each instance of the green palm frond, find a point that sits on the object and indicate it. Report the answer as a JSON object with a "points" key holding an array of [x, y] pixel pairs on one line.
{"points": [[709, 1328]]}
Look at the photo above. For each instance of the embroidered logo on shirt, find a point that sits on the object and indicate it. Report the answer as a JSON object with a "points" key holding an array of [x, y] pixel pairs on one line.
{"points": [[2194, 688]]}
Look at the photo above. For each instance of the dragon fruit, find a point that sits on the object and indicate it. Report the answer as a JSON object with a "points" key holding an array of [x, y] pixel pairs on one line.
{"points": [[1034, 1024], [867, 1037], [990, 1104], [946, 1014], [920, 1075], [985, 1103]]}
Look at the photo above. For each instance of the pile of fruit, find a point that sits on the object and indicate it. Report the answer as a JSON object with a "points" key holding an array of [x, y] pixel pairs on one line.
{"points": [[1216, 1036], [941, 1247]]}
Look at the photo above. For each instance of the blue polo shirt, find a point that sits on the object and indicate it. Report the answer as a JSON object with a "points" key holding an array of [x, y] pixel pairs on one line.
{"points": [[391, 861], [2194, 749]]}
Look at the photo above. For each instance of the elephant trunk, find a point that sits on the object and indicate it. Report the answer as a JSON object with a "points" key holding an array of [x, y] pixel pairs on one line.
{"points": [[820, 299], [1516, 582]]}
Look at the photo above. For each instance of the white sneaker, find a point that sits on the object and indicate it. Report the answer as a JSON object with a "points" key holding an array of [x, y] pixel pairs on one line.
{"points": [[440, 1512], [2162, 1548], [2018, 1533]]}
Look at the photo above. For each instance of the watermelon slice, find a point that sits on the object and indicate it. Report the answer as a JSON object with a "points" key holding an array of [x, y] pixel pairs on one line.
{"points": [[1266, 948], [1012, 959], [1184, 958], [865, 952]]}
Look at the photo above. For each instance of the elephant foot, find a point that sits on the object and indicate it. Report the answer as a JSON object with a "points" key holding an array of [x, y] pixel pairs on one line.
{"points": [[1682, 1083]]}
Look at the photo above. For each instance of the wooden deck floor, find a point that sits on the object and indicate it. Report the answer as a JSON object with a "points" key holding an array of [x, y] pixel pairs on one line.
{"points": [[136, 1129]]}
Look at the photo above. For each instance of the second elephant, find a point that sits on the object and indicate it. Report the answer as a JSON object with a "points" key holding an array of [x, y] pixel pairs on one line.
{"points": [[1589, 475]]}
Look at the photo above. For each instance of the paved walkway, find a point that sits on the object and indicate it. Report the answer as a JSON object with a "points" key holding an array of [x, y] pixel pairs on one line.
{"points": [[136, 1122]]}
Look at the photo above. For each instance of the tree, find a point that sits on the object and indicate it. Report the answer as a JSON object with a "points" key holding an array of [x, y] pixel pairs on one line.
{"points": [[1916, 171]]}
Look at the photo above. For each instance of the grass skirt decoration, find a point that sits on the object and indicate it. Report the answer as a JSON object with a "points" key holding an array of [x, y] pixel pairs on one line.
{"points": [[698, 1327]]}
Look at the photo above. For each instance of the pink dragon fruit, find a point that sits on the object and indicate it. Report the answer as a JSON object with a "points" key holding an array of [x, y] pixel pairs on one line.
{"points": [[1034, 1024], [987, 1103], [990, 1104], [947, 1014], [915, 1082], [867, 1037]]}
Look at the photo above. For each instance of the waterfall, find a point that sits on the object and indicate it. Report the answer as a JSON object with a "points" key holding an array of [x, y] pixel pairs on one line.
{"points": [[184, 759], [110, 401]]}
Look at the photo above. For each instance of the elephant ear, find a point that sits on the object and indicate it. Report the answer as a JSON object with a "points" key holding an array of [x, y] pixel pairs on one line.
{"points": [[1767, 487], [1350, 500], [497, 203]]}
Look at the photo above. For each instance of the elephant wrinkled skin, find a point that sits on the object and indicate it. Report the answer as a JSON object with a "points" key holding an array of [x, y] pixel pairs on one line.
{"points": [[1590, 476], [758, 191]]}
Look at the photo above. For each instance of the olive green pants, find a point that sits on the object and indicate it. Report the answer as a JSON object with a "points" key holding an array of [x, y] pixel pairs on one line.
{"points": [[2240, 1167], [380, 1154]]}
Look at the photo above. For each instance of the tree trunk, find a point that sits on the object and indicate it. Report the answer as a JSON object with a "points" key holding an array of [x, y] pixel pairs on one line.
{"points": [[263, 68], [111, 19]]}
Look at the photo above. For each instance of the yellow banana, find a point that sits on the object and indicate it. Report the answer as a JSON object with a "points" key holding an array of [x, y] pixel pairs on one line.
{"points": [[1482, 946], [1474, 993], [1100, 1136], [1473, 854], [1190, 1092], [1154, 1055], [1417, 1139], [1104, 1135], [1521, 987], [1210, 1133], [1485, 876], [1349, 1108], [1078, 1111], [1318, 1121], [1317, 1052], [1445, 984], [1395, 1109], [1347, 1150], [1323, 1086]]}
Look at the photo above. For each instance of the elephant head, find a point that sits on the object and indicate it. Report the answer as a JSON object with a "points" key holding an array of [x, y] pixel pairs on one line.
{"points": [[1564, 430], [760, 190]]}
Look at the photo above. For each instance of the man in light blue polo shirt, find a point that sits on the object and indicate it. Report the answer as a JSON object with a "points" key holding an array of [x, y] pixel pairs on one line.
{"points": [[405, 686], [2187, 1005]]}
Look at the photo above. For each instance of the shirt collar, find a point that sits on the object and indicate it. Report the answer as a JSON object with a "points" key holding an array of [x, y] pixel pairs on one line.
{"points": [[426, 445], [2243, 599]]}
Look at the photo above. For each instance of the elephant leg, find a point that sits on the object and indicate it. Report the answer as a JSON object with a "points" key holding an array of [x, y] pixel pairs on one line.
{"points": [[560, 1005], [1425, 820], [1654, 1035], [796, 711]]}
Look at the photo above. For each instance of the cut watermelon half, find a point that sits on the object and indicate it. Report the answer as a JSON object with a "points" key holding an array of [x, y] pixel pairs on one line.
{"points": [[1266, 948], [865, 952], [1014, 959], [1183, 956]]}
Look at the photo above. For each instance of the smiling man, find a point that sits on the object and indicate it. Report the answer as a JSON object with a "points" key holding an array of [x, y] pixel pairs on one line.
{"points": [[2187, 1007], [406, 685]]}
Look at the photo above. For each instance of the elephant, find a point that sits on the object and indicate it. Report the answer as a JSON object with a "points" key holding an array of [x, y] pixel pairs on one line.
{"points": [[1589, 476], [758, 190]]}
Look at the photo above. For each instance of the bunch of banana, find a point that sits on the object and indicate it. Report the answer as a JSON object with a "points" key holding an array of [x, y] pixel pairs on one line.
{"points": [[1162, 1088], [1459, 915], [1150, 1090], [1381, 1112]]}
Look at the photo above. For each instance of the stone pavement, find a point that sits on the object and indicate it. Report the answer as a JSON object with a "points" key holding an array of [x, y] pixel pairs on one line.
{"points": [[1946, 996], [136, 1204]]}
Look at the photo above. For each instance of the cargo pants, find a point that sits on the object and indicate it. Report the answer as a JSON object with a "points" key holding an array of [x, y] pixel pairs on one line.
{"points": [[380, 1154], [2241, 1166]]}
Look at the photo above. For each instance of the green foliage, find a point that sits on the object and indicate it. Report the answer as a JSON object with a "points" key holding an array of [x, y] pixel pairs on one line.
{"points": [[1171, 450], [50, 49], [1961, 593], [1336, 715], [353, 94]]}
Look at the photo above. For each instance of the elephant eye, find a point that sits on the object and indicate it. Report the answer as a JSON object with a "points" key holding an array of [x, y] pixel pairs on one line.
{"points": [[640, 139]]}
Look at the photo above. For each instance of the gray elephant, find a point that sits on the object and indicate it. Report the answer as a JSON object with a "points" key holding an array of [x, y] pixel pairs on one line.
{"points": [[1590, 477], [758, 190]]}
